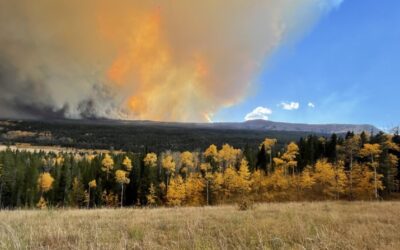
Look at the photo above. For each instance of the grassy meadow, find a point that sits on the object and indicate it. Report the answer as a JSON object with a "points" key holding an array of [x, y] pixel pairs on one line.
{"points": [[302, 225]]}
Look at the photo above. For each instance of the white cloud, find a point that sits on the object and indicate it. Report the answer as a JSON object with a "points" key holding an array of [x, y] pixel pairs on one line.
{"points": [[311, 105], [258, 113], [290, 106]]}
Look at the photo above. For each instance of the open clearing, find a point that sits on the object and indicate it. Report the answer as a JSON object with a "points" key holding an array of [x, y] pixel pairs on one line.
{"points": [[319, 225]]}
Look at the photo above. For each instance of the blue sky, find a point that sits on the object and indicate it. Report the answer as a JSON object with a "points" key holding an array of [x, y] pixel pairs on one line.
{"points": [[347, 66]]}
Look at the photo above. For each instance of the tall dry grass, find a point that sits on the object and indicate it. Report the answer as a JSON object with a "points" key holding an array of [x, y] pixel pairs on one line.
{"points": [[322, 225]]}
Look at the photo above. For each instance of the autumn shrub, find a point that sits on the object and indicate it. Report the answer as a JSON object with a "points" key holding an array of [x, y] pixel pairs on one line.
{"points": [[245, 204]]}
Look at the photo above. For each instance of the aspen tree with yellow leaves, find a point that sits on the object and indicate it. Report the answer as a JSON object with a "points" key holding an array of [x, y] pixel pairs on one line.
{"points": [[331, 180], [292, 150], [107, 164], [194, 187], [258, 185], [288, 159], [45, 182], [176, 192], [217, 187], [228, 156], [187, 162], [168, 164], [127, 164], [372, 151], [341, 180], [352, 147], [205, 169], [307, 181], [364, 182], [150, 160], [211, 155], [122, 178], [244, 179], [277, 185], [231, 183]]}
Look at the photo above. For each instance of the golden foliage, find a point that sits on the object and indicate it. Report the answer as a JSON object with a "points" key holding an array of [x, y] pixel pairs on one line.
{"points": [[341, 180], [231, 182], [121, 177], [150, 160], [93, 184], [292, 150], [364, 183], [168, 164], [110, 199], [60, 160], [152, 196], [279, 162], [244, 177], [307, 180], [194, 187], [388, 144], [107, 163], [228, 155], [371, 150], [45, 181], [277, 181], [205, 167], [268, 144], [330, 180], [217, 181], [42, 203], [211, 153], [90, 157], [127, 163], [176, 192], [187, 160]]}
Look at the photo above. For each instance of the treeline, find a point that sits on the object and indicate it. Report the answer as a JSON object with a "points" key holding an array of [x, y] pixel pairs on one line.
{"points": [[354, 167], [134, 137]]}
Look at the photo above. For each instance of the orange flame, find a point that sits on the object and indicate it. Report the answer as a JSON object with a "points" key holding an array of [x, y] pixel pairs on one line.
{"points": [[144, 67]]}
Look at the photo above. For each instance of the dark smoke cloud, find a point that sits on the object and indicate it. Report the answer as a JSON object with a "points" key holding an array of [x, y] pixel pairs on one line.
{"points": [[22, 97]]}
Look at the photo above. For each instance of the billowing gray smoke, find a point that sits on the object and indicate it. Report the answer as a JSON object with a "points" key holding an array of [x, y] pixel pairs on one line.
{"points": [[129, 59]]}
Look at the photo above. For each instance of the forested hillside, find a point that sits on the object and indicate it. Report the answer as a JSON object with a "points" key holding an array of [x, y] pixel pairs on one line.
{"points": [[135, 136], [355, 167]]}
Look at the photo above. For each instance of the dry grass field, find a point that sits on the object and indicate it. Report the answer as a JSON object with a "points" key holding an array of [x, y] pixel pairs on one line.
{"points": [[321, 225]]}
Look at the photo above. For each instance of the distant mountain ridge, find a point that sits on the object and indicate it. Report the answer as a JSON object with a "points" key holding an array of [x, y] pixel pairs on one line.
{"points": [[260, 125], [302, 127], [256, 125]]}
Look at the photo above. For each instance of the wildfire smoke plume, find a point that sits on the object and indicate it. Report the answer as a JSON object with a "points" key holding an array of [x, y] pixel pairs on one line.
{"points": [[172, 60]]}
